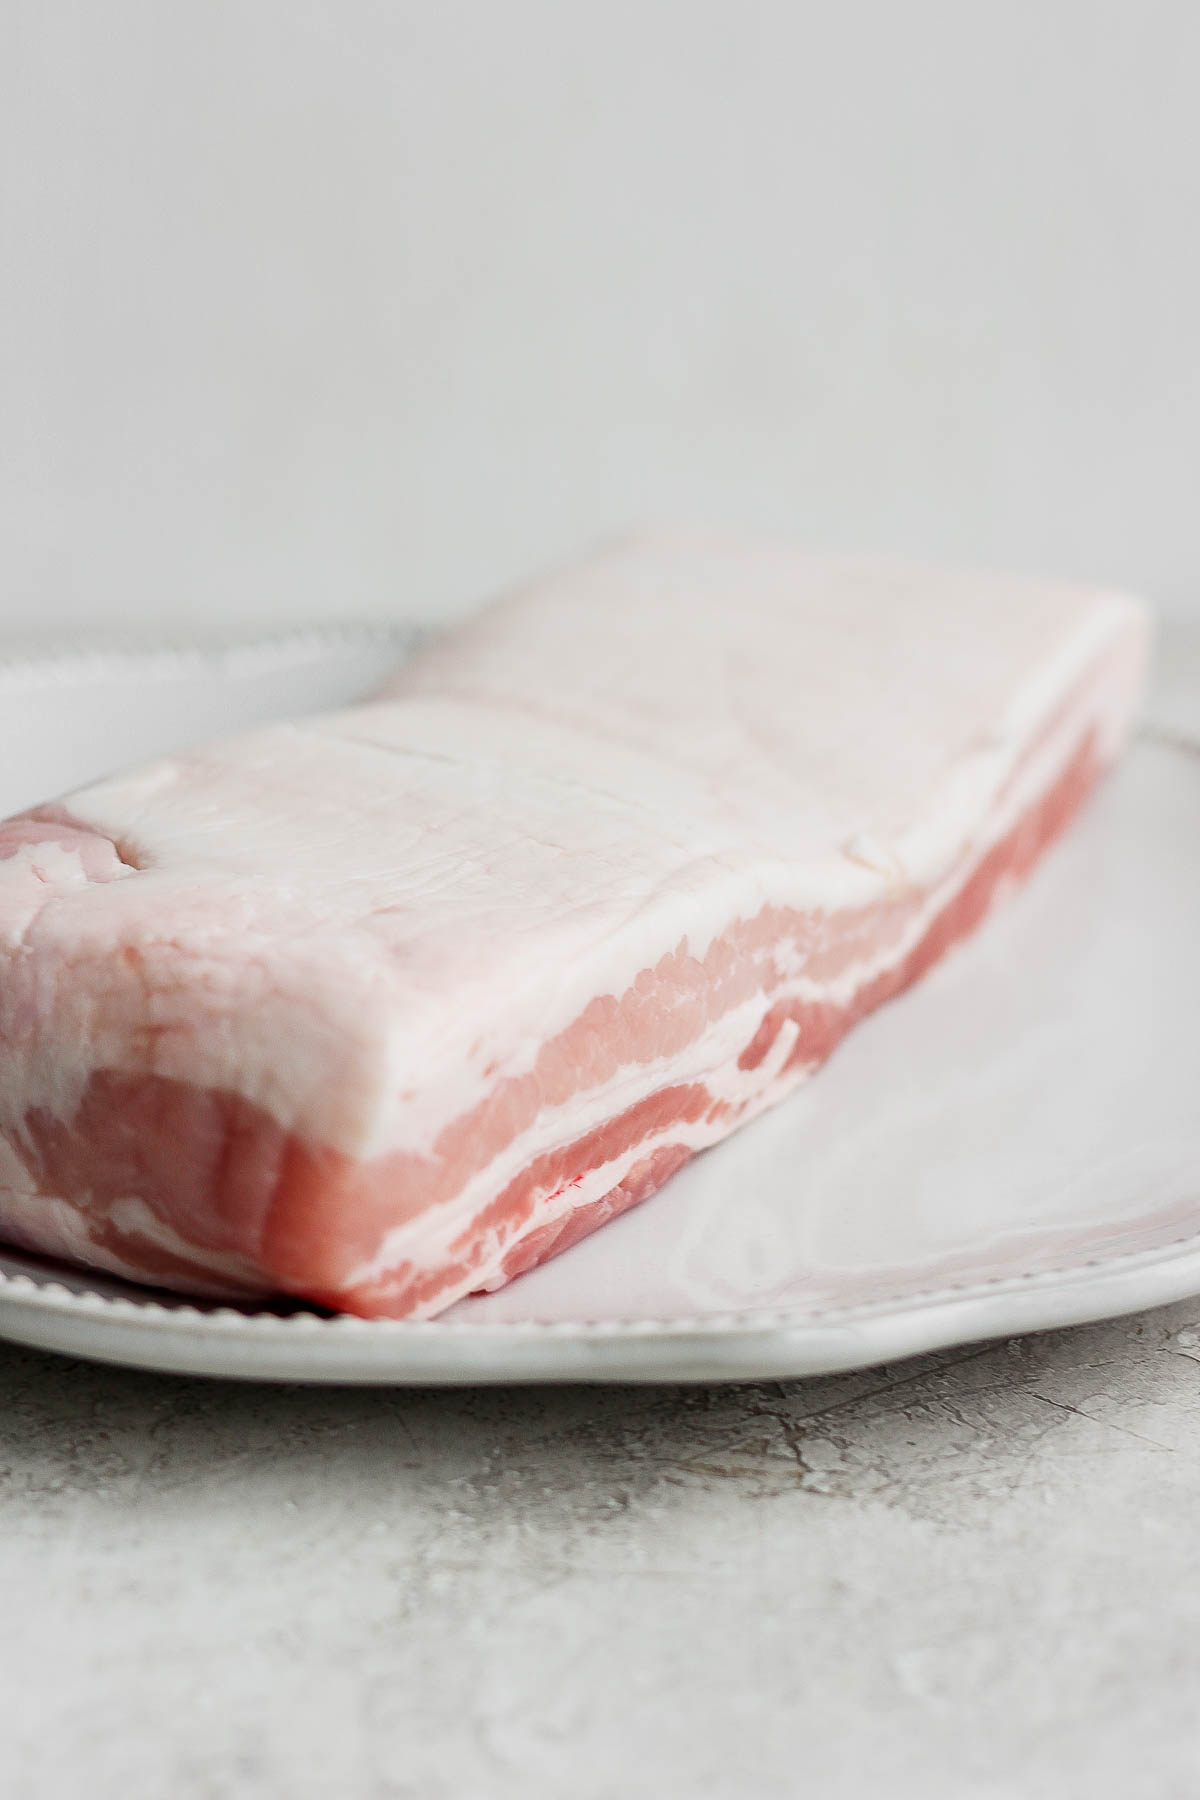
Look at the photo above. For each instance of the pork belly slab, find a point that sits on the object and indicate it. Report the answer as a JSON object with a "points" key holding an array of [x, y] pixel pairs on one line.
{"points": [[385, 1006]]}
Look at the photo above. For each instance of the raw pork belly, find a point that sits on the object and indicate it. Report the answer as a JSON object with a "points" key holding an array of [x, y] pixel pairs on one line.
{"points": [[386, 1006]]}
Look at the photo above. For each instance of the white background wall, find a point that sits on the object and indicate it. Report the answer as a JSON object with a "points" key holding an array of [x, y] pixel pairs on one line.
{"points": [[319, 308]]}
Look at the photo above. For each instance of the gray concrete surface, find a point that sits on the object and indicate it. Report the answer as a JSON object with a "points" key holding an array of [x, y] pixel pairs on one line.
{"points": [[976, 1574]]}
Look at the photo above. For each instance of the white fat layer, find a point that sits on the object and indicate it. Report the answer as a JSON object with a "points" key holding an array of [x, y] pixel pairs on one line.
{"points": [[51, 1226], [55, 1227], [135, 1220], [340, 958]]}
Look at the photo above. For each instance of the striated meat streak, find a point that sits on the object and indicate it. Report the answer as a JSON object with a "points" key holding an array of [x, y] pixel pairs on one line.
{"points": [[386, 1006]]}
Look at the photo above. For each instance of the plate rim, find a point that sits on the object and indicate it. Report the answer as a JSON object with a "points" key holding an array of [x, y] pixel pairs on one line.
{"points": [[348, 1351], [152, 1313]]}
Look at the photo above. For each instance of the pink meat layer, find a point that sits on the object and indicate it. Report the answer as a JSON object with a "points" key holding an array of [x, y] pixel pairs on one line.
{"points": [[201, 1186]]}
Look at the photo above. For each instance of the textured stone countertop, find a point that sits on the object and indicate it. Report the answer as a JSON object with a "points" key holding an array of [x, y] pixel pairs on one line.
{"points": [[974, 1576]]}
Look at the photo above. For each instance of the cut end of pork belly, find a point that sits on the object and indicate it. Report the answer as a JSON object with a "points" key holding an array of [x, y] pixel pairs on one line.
{"points": [[386, 1007]]}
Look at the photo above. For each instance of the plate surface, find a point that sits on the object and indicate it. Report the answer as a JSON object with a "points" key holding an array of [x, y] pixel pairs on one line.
{"points": [[1014, 1145]]}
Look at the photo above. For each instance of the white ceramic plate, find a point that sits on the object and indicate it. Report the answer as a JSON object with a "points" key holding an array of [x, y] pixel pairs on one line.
{"points": [[1014, 1145]]}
